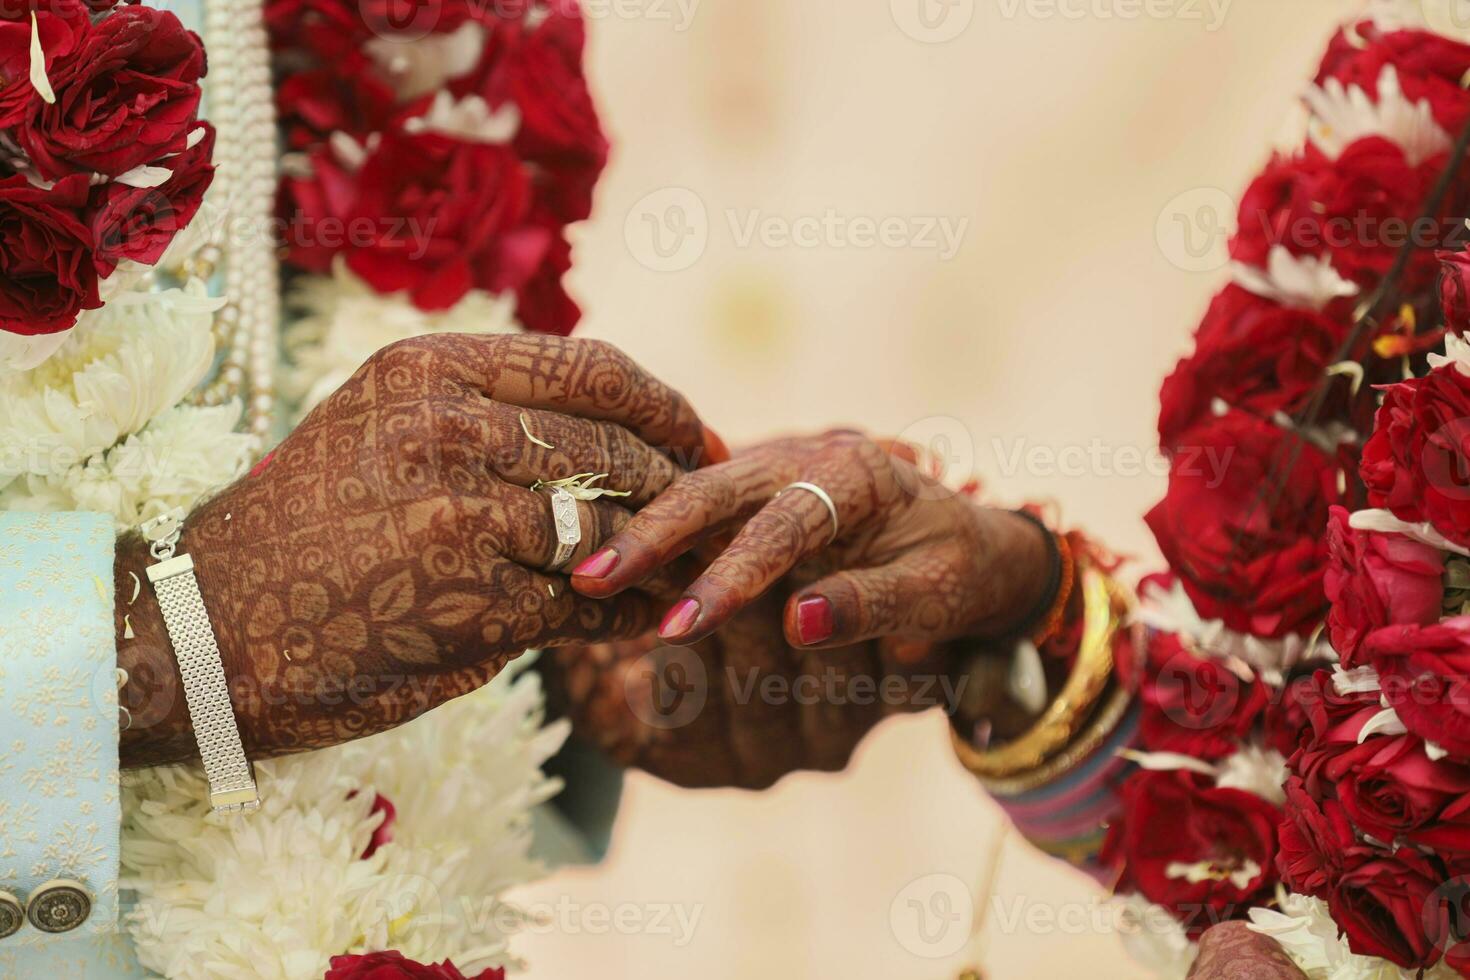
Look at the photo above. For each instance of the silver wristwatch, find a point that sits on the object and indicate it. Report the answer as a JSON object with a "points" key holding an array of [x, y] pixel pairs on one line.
{"points": [[231, 779]]}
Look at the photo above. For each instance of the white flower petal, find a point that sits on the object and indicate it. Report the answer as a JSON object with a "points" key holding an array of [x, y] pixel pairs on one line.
{"points": [[39, 80], [145, 177]]}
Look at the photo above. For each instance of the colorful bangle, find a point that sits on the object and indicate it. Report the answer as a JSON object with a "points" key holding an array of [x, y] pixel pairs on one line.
{"points": [[1105, 605], [1046, 619]]}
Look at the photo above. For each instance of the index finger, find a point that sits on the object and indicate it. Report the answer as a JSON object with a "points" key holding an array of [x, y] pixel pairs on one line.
{"points": [[591, 379]]}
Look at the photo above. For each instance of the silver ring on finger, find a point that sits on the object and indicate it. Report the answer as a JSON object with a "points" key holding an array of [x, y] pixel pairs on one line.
{"points": [[568, 523], [825, 498]]}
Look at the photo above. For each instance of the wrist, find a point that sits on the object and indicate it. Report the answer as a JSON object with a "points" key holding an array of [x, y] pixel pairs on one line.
{"points": [[155, 720], [1019, 572]]}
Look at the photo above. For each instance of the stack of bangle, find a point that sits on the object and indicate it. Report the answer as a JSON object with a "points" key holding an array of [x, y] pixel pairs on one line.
{"points": [[1047, 619], [1059, 780]]}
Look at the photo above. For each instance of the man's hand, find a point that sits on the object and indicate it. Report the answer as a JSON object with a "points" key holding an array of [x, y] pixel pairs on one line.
{"points": [[391, 554], [1230, 951]]}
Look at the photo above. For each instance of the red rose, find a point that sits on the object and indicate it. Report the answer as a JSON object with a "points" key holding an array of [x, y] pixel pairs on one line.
{"points": [[1429, 66], [1287, 725], [1195, 705], [1387, 905], [347, 97], [61, 23], [392, 965], [1359, 209], [1334, 720], [47, 275], [1389, 468], [543, 304], [426, 214], [138, 223], [1454, 290], [1255, 354], [1377, 580], [1315, 836], [1425, 673], [331, 29], [127, 96], [1179, 820], [1391, 789], [1441, 434], [540, 71], [1248, 554]]}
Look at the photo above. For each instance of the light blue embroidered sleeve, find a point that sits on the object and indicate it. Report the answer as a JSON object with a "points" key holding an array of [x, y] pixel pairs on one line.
{"points": [[59, 809]]}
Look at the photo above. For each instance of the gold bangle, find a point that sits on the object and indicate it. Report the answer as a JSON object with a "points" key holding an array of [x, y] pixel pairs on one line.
{"points": [[1072, 756], [1103, 610]]}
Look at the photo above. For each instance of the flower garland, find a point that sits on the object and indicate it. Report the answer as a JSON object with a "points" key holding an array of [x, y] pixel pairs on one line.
{"points": [[1291, 757], [361, 848], [434, 165], [102, 155]]}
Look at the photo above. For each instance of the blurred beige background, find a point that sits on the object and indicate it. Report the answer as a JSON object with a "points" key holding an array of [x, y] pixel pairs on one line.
{"points": [[1074, 153]]}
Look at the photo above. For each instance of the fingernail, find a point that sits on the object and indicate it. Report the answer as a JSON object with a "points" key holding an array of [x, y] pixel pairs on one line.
{"points": [[679, 619], [598, 565], [715, 450], [813, 619]]}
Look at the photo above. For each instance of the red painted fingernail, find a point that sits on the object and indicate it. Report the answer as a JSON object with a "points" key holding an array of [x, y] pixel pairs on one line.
{"points": [[813, 619], [598, 565], [679, 619], [715, 450]]}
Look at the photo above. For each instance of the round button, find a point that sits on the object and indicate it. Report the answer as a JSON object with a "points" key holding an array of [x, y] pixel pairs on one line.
{"points": [[59, 906], [12, 914]]}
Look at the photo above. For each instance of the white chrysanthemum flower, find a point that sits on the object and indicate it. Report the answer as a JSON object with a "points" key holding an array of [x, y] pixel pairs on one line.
{"points": [[1308, 281], [1255, 769], [1305, 929], [177, 459], [278, 893], [1344, 114], [1171, 611], [116, 371], [1153, 937], [343, 322]]}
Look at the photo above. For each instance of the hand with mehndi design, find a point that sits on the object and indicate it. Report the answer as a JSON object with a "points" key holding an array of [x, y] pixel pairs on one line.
{"points": [[1231, 951], [392, 555], [779, 605], [910, 559]]}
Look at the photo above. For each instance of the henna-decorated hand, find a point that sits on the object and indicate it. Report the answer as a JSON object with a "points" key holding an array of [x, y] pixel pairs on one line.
{"points": [[391, 554], [741, 708], [1230, 951], [910, 559], [777, 676]]}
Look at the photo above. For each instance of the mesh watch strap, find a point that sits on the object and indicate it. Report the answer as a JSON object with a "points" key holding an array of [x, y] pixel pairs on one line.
{"points": [[231, 780]]}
